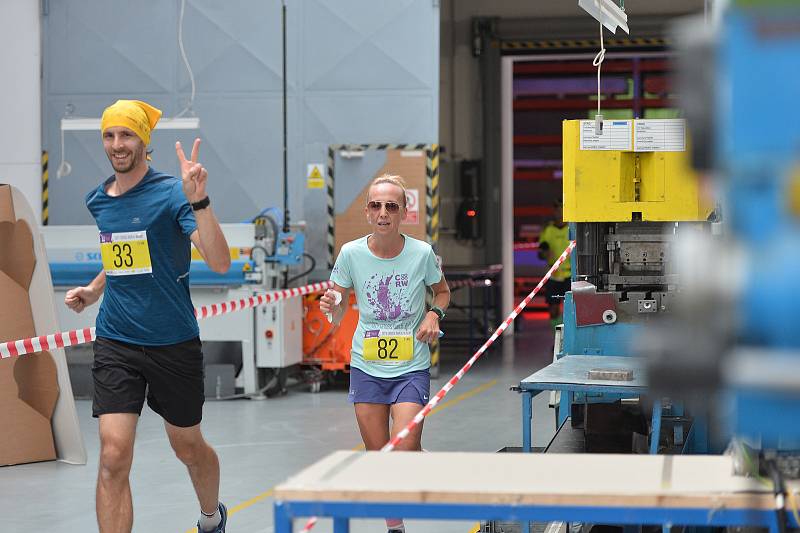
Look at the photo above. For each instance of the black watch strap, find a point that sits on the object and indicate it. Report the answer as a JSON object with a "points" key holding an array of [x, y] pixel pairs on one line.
{"points": [[439, 311], [202, 204]]}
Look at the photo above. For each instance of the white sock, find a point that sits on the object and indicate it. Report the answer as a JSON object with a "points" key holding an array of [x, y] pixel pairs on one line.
{"points": [[209, 522]]}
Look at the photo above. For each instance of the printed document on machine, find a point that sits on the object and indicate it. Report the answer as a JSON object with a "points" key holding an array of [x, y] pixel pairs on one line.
{"points": [[616, 135], [659, 135]]}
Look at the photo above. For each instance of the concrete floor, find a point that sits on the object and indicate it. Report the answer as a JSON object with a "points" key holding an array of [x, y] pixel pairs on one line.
{"points": [[261, 443]]}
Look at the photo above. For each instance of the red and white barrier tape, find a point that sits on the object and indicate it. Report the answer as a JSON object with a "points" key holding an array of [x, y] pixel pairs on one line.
{"points": [[82, 336], [46, 342], [254, 301], [464, 369]]}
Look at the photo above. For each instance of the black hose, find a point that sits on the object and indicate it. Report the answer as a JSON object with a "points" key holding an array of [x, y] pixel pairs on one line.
{"points": [[307, 272]]}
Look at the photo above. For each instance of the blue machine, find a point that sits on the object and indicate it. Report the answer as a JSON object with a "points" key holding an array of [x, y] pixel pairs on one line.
{"points": [[601, 339], [67, 274], [734, 330], [759, 155], [289, 248], [734, 349]]}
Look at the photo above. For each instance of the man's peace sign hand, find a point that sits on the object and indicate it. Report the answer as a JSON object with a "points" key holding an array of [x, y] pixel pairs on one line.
{"points": [[193, 174]]}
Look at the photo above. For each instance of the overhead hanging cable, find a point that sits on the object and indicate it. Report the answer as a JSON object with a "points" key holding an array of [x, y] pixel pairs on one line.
{"points": [[185, 59], [598, 62], [179, 121]]}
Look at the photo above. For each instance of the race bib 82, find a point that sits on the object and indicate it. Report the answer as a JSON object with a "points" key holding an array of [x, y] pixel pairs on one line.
{"points": [[388, 347]]}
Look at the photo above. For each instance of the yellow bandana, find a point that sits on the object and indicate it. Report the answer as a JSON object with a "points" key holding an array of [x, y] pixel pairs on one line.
{"points": [[137, 116]]}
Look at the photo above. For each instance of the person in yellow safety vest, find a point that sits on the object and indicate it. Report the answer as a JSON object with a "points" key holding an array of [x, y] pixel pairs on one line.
{"points": [[553, 239]]}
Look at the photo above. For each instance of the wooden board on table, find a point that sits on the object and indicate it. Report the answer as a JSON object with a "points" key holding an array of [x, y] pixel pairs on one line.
{"points": [[528, 479]]}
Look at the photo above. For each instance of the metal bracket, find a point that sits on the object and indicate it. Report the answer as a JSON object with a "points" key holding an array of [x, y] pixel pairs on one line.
{"points": [[607, 374], [648, 306]]}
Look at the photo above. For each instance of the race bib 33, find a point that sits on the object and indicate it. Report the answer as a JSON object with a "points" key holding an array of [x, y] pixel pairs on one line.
{"points": [[125, 254]]}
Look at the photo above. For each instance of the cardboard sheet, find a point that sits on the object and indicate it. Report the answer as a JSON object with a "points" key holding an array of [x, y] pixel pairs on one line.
{"points": [[352, 223], [38, 417]]}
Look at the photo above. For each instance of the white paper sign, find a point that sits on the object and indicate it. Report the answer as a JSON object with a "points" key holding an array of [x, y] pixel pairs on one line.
{"points": [[616, 135], [412, 204], [659, 135]]}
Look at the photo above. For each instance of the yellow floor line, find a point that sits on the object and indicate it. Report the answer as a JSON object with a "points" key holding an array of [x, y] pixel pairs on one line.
{"points": [[475, 528], [467, 395], [264, 495]]}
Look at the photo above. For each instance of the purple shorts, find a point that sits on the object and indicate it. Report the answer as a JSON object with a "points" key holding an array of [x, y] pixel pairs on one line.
{"points": [[413, 387]]}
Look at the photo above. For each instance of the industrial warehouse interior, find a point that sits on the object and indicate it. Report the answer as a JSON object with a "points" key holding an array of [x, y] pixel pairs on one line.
{"points": [[403, 266]]}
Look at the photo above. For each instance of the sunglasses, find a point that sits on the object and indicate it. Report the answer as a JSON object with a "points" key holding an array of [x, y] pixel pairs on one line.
{"points": [[391, 207]]}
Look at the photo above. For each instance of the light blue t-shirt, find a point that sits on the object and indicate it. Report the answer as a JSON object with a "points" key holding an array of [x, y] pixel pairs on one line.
{"points": [[390, 294]]}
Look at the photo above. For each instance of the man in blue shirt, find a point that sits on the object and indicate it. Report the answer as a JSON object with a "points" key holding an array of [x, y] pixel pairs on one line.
{"points": [[147, 336]]}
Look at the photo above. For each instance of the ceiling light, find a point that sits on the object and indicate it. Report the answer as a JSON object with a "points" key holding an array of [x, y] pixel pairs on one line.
{"points": [[88, 124]]}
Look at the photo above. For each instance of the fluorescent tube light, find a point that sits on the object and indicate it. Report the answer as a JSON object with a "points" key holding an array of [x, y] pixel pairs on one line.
{"points": [[89, 124]]}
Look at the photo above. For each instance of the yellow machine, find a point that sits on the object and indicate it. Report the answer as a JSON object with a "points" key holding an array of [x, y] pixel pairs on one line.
{"points": [[625, 204], [625, 207], [628, 186]]}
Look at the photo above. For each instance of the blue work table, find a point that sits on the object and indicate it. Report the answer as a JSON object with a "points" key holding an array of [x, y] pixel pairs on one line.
{"points": [[570, 375], [594, 488]]}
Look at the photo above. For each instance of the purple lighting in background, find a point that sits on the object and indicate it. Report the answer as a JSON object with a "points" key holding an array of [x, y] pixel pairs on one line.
{"points": [[565, 86]]}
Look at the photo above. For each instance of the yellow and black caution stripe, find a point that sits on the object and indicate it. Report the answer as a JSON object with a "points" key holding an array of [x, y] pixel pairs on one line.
{"points": [[45, 193], [331, 207], [387, 146], [432, 217], [566, 44], [432, 195]]}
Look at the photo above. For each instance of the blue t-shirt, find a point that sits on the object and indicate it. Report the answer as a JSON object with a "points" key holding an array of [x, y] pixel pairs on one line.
{"points": [[144, 240], [391, 305]]}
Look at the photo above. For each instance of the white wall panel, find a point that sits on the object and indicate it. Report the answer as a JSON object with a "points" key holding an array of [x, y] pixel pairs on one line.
{"points": [[357, 71], [20, 94]]}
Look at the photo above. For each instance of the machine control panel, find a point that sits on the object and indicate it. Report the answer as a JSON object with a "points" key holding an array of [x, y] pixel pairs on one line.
{"points": [[289, 248]]}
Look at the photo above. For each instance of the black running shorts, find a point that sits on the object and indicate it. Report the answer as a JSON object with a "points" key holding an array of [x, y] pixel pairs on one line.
{"points": [[170, 377]]}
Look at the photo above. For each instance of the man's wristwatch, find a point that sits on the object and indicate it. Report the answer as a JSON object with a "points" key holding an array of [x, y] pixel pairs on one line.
{"points": [[439, 311], [202, 204]]}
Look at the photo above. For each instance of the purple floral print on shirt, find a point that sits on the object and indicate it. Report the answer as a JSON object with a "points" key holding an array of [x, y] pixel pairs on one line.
{"points": [[387, 297]]}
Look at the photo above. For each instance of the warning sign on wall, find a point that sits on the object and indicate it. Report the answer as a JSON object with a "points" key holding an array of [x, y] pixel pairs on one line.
{"points": [[315, 176], [412, 204]]}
